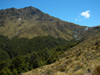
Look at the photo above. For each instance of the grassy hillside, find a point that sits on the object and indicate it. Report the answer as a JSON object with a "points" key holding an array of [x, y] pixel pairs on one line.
{"points": [[83, 59]]}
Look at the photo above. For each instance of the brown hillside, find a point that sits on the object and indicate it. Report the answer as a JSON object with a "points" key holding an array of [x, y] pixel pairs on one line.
{"points": [[83, 59], [31, 22]]}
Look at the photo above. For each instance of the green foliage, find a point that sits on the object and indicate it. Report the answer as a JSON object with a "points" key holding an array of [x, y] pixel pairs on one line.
{"points": [[19, 55], [3, 41], [49, 60], [38, 63], [17, 47], [4, 64], [18, 62], [2, 72], [7, 71], [26, 67], [3, 55], [15, 72]]}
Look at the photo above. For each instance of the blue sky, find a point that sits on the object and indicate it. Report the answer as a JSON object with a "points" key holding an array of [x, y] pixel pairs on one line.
{"points": [[82, 12]]}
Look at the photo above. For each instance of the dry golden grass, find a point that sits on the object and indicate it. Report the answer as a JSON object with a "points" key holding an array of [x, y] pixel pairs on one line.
{"points": [[82, 59]]}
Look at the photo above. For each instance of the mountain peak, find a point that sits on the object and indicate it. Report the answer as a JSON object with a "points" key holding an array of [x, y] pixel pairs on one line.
{"points": [[31, 22], [30, 8]]}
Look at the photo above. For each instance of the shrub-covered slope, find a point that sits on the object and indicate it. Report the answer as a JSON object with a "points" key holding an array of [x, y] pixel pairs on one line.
{"points": [[18, 55], [83, 59]]}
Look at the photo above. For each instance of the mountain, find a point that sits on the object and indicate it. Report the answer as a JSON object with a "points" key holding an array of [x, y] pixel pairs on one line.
{"points": [[91, 32], [31, 22], [82, 59], [31, 39]]}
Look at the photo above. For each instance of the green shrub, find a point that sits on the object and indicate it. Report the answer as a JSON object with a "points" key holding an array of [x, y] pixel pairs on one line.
{"points": [[15, 72], [2, 72]]}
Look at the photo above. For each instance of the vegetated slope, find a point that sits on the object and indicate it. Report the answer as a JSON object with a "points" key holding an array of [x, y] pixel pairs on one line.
{"points": [[83, 59], [23, 46], [18, 55], [31, 22], [90, 32]]}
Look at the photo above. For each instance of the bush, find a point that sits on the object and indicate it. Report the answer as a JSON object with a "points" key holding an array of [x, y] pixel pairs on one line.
{"points": [[14, 72], [37, 63], [7, 71], [2, 72]]}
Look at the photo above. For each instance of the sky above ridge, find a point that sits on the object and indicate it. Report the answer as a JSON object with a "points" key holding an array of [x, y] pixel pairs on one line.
{"points": [[82, 12]]}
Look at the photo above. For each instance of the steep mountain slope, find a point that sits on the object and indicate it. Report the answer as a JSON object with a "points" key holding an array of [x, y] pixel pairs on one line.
{"points": [[83, 59], [31, 22], [90, 32]]}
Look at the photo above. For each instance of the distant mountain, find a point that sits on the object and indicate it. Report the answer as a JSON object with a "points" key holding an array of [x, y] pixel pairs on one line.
{"points": [[31, 22], [91, 32]]}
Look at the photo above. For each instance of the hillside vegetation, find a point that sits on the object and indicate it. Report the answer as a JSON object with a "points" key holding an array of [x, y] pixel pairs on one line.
{"points": [[18, 55], [33, 41], [83, 59]]}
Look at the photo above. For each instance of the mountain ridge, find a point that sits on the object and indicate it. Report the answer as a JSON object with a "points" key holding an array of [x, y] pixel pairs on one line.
{"points": [[31, 22], [24, 28]]}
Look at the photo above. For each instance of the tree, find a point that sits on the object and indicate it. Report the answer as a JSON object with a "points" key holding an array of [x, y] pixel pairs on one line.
{"points": [[2, 72], [14, 72], [33, 57], [49, 60], [7, 71], [3, 55], [18, 62], [37, 63]]}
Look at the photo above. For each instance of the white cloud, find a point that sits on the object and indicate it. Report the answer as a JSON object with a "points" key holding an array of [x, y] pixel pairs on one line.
{"points": [[86, 14]]}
